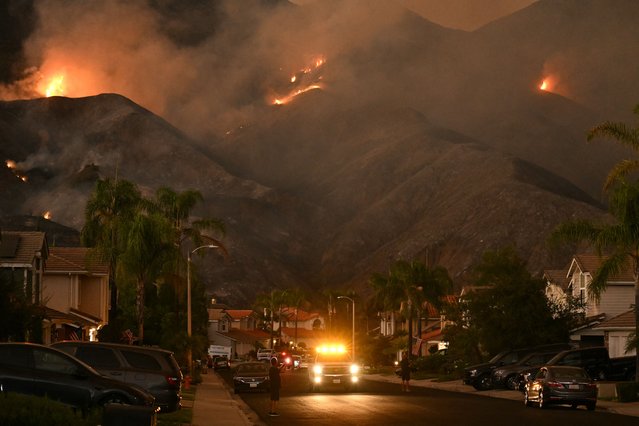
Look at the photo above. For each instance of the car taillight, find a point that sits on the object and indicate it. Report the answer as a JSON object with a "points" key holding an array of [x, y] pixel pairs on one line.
{"points": [[591, 386], [173, 381], [554, 385]]}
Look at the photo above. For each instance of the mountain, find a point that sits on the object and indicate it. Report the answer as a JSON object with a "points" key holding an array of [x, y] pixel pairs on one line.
{"points": [[402, 140], [376, 185]]}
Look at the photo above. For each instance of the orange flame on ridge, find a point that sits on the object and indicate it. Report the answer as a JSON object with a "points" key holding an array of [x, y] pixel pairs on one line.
{"points": [[55, 87]]}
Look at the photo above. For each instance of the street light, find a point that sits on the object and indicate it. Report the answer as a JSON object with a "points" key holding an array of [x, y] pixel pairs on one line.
{"points": [[188, 301], [353, 343]]}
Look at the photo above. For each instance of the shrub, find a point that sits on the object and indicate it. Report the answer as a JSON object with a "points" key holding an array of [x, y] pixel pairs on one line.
{"points": [[28, 410], [628, 391]]}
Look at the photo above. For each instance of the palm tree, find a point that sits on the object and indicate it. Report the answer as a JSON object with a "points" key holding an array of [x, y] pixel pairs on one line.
{"points": [[619, 241], [295, 298], [407, 286], [112, 204], [272, 302], [149, 246], [177, 207]]}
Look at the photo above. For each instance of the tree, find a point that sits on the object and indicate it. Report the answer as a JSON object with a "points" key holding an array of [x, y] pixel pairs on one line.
{"points": [[112, 204], [272, 302], [295, 298], [149, 246], [618, 242], [407, 286], [507, 309], [177, 208]]}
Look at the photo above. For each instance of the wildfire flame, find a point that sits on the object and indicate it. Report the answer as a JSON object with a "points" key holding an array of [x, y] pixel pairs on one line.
{"points": [[544, 85], [55, 87], [308, 77], [47, 215], [287, 99], [11, 165]]}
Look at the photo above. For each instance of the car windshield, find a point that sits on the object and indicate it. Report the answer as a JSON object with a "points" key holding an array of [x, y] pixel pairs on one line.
{"points": [[252, 368]]}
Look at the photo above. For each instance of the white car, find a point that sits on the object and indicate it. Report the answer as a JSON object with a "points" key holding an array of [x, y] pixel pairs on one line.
{"points": [[265, 354]]}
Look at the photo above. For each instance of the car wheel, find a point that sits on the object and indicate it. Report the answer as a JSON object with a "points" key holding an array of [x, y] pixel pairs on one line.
{"points": [[114, 398], [512, 383], [591, 406], [542, 402], [526, 400], [483, 383]]}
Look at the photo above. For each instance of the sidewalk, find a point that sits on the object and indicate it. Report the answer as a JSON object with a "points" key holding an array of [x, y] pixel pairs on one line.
{"points": [[214, 402]]}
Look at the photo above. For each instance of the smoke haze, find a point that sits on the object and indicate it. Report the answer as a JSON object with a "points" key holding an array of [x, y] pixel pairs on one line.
{"points": [[207, 66]]}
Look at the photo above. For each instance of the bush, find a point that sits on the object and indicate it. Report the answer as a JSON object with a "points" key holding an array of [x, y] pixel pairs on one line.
{"points": [[431, 363], [628, 391], [28, 410]]}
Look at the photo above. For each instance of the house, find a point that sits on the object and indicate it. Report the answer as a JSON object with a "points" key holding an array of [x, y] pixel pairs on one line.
{"points": [[235, 329], [242, 319], [300, 327], [616, 333], [574, 281], [24, 254], [76, 293], [427, 331]]}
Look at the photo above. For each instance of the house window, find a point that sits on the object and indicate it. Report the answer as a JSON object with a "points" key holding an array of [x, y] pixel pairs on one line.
{"points": [[223, 326], [582, 287]]}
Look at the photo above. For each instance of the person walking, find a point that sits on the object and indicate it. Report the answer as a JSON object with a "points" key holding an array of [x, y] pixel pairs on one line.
{"points": [[405, 371], [276, 383]]}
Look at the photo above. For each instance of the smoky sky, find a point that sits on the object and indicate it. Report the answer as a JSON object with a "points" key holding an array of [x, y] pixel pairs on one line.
{"points": [[205, 65]]}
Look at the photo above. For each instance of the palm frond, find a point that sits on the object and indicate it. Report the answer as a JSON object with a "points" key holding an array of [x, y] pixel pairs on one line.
{"points": [[621, 132], [619, 172], [611, 266]]}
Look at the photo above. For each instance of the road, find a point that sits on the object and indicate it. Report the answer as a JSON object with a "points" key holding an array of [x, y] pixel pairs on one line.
{"points": [[378, 403]]}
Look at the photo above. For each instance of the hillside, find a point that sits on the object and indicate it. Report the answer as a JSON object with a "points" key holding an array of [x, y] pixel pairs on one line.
{"points": [[333, 138], [329, 211]]}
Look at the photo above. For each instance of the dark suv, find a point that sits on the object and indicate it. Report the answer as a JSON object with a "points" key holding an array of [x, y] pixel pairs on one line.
{"points": [[153, 369], [33, 369]]}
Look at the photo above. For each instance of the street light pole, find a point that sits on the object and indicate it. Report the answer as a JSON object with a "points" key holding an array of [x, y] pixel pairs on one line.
{"points": [[353, 342], [188, 302]]}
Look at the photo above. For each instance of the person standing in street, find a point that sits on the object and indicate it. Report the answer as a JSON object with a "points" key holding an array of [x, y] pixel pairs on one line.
{"points": [[276, 383], [405, 371]]}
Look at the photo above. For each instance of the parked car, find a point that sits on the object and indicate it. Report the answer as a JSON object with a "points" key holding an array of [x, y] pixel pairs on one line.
{"points": [[509, 376], [221, 363], [265, 354], [153, 369], [251, 376], [554, 385], [480, 376], [33, 369], [598, 364]]}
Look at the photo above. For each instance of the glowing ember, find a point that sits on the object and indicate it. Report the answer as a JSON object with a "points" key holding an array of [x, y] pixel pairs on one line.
{"points": [[47, 215], [23, 178], [55, 87], [11, 164], [544, 85]]}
